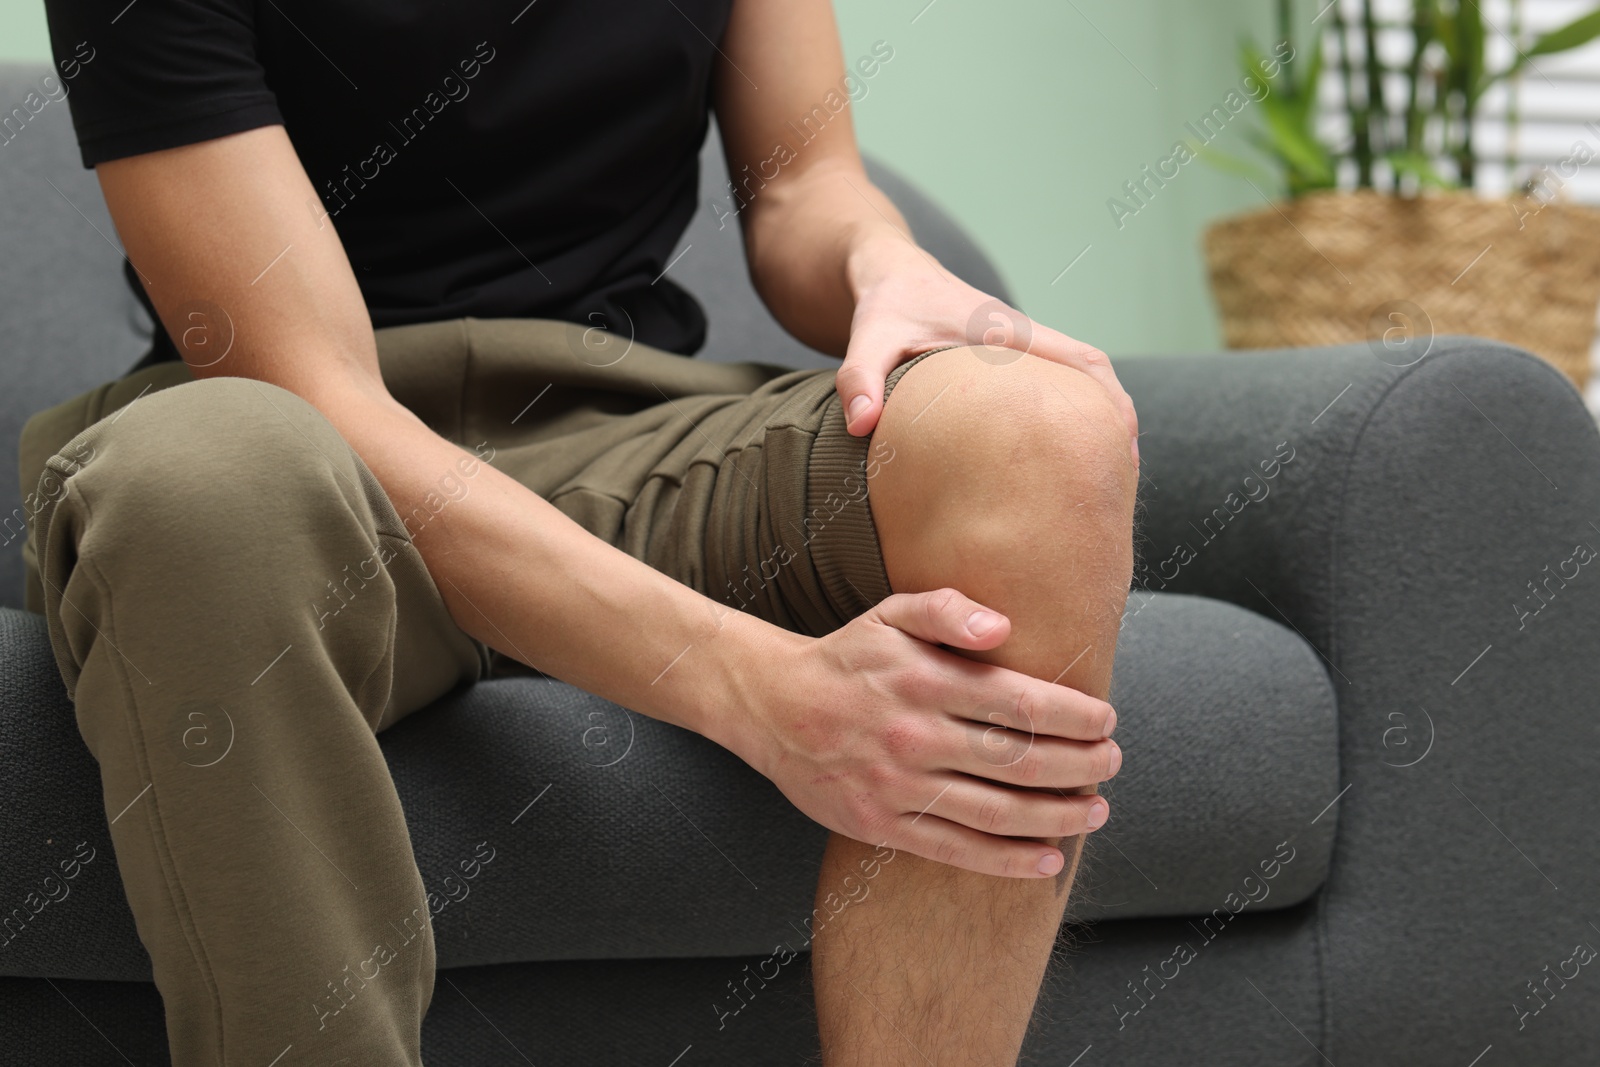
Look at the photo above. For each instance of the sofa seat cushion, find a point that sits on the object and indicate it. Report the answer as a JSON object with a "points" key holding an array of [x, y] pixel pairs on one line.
{"points": [[551, 825]]}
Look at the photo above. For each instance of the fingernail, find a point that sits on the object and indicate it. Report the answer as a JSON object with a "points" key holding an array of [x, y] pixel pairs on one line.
{"points": [[1111, 722], [1116, 760], [1097, 815], [858, 407], [981, 622], [1135, 451], [1050, 863]]}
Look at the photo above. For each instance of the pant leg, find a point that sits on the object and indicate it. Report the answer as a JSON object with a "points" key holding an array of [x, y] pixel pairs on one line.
{"points": [[236, 610], [737, 479]]}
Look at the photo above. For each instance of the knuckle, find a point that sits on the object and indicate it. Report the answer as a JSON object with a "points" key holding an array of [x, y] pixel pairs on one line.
{"points": [[919, 686], [951, 850], [1017, 746], [939, 602], [904, 736], [850, 374], [1028, 768], [1029, 707], [995, 812], [998, 747]]}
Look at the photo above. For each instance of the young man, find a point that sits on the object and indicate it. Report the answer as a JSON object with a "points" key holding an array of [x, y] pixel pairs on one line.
{"points": [[378, 240]]}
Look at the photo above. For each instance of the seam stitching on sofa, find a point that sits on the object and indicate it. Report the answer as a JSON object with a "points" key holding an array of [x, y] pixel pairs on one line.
{"points": [[1336, 529], [1319, 946], [1467, 344]]}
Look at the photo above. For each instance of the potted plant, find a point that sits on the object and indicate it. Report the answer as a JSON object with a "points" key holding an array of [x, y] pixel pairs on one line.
{"points": [[1412, 250]]}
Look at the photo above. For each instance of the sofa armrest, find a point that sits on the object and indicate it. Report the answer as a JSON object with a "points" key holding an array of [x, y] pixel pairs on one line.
{"points": [[1434, 537]]}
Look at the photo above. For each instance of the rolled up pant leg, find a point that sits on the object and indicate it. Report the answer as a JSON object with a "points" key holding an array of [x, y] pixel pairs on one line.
{"points": [[236, 610]]}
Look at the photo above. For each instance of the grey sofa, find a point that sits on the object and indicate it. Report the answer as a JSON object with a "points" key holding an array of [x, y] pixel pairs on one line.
{"points": [[1358, 813]]}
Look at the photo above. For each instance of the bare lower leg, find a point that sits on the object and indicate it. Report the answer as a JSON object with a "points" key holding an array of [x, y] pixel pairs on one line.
{"points": [[1012, 484]]}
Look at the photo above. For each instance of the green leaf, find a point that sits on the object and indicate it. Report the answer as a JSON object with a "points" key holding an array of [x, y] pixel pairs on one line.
{"points": [[1299, 185], [1575, 34], [1307, 100], [1303, 101], [1419, 166], [1232, 164], [1252, 61], [1250, 57], [1286, 131], [1294, 143], [1444, 28], [1468, 64]]}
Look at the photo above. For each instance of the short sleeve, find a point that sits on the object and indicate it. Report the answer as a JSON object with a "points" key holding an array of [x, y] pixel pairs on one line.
{"points": [[154, 74]]}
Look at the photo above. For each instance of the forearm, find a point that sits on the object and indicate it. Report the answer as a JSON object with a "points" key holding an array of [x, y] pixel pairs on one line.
{"points": [[526, 580], [817, 241]]}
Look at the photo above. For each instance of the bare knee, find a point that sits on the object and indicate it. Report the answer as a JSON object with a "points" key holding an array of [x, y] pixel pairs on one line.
{"points": [[1010, 481], [1042, 444]]}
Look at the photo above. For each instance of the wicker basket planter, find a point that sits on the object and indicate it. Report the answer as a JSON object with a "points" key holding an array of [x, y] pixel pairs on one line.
{"points": [[1331, 268]]}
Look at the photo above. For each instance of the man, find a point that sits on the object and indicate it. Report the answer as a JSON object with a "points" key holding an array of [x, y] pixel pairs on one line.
{"points": [[374, 235]]}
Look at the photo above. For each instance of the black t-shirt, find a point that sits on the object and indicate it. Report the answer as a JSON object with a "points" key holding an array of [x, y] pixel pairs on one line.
{"points": [[493, 159]]}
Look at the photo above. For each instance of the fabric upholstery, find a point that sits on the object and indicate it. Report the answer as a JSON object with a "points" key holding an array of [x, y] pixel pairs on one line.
{"points": [[647, 841], [1421, 503], [648, 1012], [69, 320]]}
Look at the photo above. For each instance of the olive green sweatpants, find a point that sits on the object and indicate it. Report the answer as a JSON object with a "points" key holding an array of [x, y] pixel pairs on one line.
{"points": [[237, 610]]}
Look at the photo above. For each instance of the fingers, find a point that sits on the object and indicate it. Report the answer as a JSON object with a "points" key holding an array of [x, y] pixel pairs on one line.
{"points": [[998, 699], [1014, 758], [1017, 812], [859, 380], [943, 617], [938, 839], [1033, 706]]}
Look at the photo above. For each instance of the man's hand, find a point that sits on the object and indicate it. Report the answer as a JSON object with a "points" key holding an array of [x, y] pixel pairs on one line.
{"points": [[906, 304], [877, 733]]}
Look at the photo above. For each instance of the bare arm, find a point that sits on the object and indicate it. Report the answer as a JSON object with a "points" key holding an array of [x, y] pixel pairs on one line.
{"points": [[202, 223], [801, 271], [233, 222], [829, 253]]}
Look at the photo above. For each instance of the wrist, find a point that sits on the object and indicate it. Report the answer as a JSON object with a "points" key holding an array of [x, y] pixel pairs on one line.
{"points": [[875, 252], [749, 663]]}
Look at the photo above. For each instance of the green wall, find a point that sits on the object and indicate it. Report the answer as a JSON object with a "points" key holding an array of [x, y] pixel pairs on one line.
{"points": [[22, 30], [1023, 117]]}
